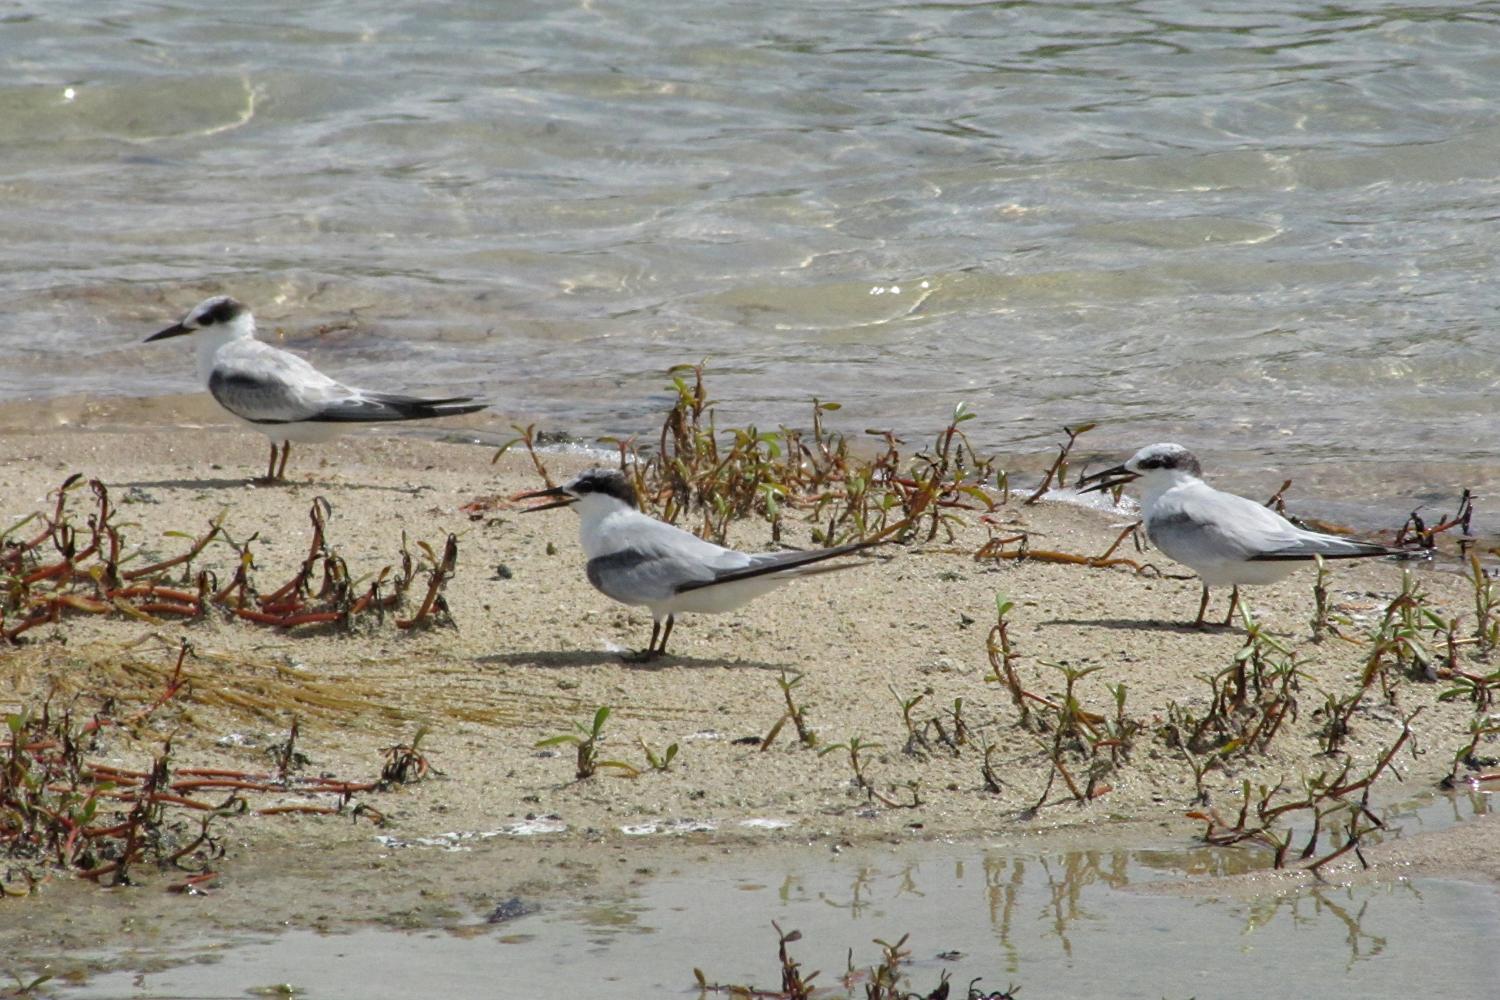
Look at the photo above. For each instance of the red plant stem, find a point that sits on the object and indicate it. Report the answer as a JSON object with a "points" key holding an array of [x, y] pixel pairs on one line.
{"points": [[190, 554], [241, 783], [80, 603], [340, 787], [118, 771], [171, 594], [94, 874], [280, 810], [48, 572], [289, 621], [161, 608], [191, 881], [48, 614]]}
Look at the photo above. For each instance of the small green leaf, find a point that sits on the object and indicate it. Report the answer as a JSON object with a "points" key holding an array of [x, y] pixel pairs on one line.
{"points": [[629, 770]]}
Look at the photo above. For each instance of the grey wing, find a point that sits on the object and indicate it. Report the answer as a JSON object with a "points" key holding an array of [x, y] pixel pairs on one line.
{"points": [[633, 576], [660, 561], [1259, 534], [1312, 543], [1210, 526], [264, 385], [257, 398]]}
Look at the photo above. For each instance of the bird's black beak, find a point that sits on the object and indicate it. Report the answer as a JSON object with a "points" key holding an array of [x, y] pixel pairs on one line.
{"points": [[175, 330], [564, 499], [1108, 479]]}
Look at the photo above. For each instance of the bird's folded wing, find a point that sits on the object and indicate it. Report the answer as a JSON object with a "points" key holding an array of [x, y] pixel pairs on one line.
{"points": [[1208, 527], [399, 400], [362, 408], [263, 384], [1310, 543], [255, 397], [765, 563], [645, 574]]}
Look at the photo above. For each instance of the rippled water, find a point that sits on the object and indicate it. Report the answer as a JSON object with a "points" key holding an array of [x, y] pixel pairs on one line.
{"points": [[1265, 231]]}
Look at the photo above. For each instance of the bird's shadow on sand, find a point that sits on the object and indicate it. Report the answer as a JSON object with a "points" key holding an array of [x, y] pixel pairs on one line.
{"points": [[246, 482], [1146, 625], [565, 659]]}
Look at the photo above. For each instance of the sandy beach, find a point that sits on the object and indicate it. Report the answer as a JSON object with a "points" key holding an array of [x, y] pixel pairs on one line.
{"points": [[533, 649]]}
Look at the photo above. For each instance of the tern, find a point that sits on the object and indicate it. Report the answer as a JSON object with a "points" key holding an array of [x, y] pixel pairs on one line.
{"points": [[639, 560], [280, 394], [1226, 539]]}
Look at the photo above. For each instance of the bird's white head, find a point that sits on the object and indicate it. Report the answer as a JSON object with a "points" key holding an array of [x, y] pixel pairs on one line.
{"points": [[220, 318], [1158, 466], [595, 492]]}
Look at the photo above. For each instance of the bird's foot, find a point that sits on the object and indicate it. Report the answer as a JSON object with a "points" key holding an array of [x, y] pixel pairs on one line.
{"points": [[641, 656]]}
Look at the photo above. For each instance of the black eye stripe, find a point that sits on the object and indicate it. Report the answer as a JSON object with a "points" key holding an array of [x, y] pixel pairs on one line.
{"points": [[609, 483], [1175, 460], [222, 311]]}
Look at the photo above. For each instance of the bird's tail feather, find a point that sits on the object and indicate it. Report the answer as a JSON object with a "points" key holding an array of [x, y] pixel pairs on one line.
{"points": [[375, 409], [1332, 548], [790, 563], [397, 399]]}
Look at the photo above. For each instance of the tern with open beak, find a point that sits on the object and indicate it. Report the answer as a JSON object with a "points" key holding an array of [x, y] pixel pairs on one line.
{"points": [[639, 560], [1226, 539], [280, 394]]}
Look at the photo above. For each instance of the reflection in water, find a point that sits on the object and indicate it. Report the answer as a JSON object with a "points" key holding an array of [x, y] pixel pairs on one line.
{"points": [[1061, 923], [1039, 915], [1346, 905]]}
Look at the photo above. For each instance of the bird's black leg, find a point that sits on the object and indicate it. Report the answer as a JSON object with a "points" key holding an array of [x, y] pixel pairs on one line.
{"points": [[650, 652], [1234, 602], [286, 449], [271, 467], [661, 650], [1202, 607]]}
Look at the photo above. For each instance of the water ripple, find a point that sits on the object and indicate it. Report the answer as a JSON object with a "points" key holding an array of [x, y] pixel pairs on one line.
{"points": [[1264, 230]]}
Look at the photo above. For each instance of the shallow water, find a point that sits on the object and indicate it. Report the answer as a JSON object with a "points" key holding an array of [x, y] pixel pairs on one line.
{"points": [[1015, 921], [1266, 233], [1060, 919]]}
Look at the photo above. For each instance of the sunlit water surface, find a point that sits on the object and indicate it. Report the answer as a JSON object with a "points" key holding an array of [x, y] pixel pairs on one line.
{"points": [[1268, 232], [1072, 923]]}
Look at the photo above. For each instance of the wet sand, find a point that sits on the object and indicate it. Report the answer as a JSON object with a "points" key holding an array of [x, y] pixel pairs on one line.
{"points": [[536, 649]]}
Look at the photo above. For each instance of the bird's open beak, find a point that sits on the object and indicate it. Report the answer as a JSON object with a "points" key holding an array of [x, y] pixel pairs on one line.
{"points": [[1108, 479], [564, 499], [175, 330]]}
